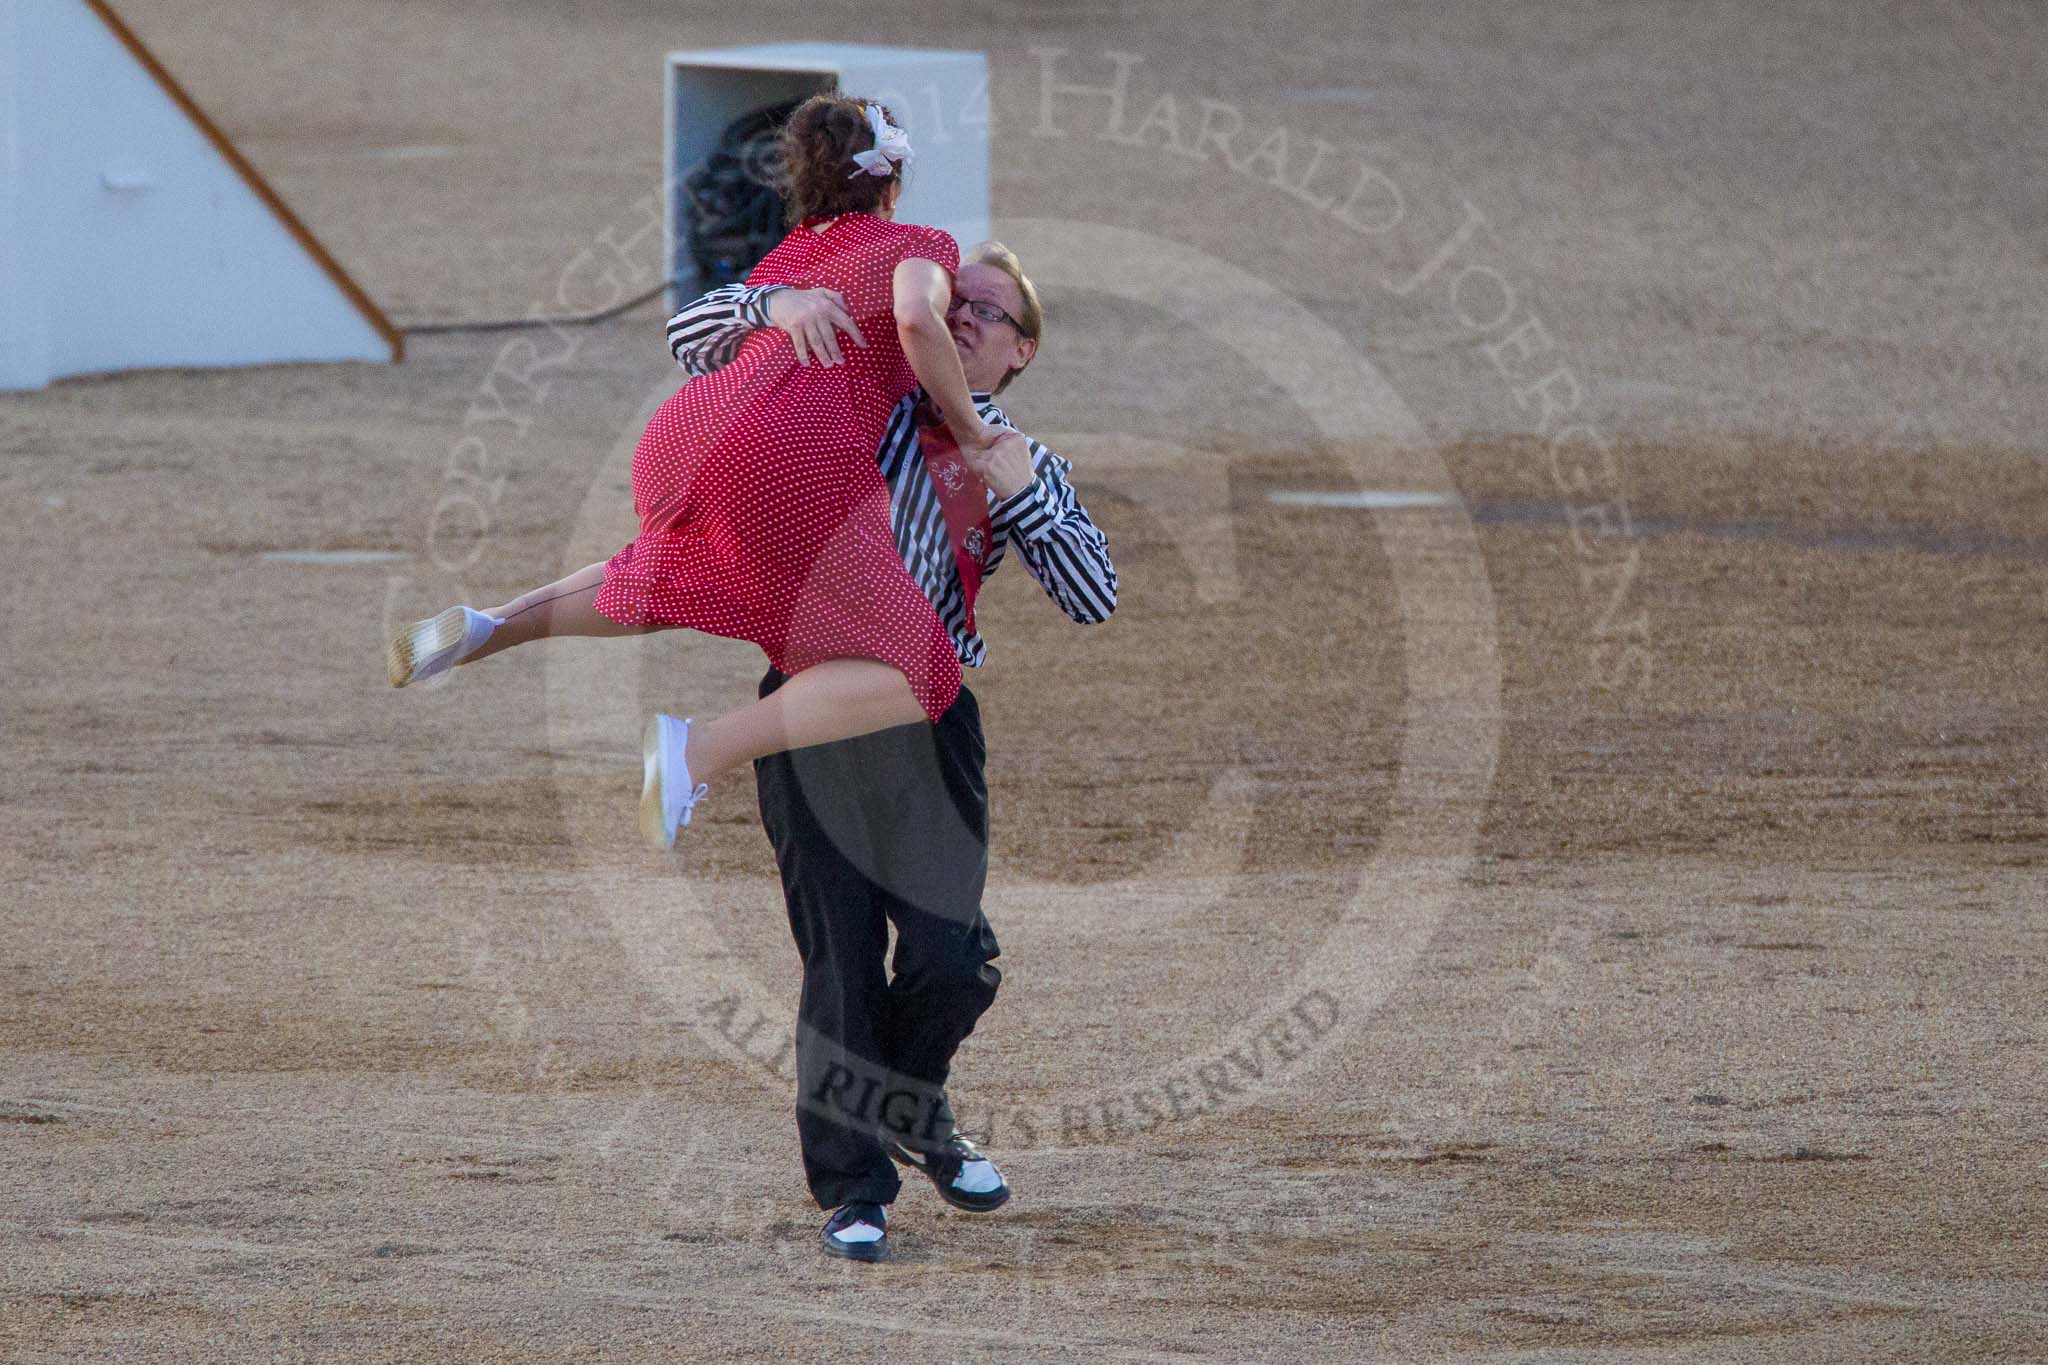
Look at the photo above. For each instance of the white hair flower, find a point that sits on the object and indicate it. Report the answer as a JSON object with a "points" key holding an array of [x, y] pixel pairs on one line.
{"points": [[891, 149]]}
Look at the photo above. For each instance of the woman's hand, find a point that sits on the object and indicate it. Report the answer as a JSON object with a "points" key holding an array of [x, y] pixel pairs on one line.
{"points": [[814, 318], [1001, 457]]}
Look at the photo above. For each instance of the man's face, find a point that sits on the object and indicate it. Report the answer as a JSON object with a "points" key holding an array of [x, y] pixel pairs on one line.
{"points": [[988, 350]]}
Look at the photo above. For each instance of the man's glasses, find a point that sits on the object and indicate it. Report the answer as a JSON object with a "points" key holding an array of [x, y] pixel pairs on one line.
{"points": [[984, 312]]}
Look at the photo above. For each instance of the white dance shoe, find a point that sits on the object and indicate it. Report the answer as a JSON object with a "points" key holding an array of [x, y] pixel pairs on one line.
{"points": [[435, 645], [666, 795]]}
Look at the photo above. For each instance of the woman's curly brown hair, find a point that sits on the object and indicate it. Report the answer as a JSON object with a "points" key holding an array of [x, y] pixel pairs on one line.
{"points": [[818, 144]]}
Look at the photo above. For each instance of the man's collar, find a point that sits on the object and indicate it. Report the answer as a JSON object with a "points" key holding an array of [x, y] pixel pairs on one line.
{"points": [[979, 397]]}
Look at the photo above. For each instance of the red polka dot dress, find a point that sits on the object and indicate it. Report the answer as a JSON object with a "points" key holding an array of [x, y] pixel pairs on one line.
{"points": [[763, 515]]}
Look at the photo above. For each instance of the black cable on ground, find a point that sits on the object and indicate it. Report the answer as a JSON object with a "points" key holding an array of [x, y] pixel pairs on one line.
{"points": [[414, 329]]}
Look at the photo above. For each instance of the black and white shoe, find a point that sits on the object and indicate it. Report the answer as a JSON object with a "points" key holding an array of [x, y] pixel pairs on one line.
{"points": [[960, 1172], [858, 1231]]}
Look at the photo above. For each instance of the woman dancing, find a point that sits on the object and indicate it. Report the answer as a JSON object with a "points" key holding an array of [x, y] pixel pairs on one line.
{"points": [[763, 515]]}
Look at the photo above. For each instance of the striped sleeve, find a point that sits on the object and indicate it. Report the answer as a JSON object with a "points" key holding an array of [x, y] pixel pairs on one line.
{"points": [[1061, 546], [707, 333]]}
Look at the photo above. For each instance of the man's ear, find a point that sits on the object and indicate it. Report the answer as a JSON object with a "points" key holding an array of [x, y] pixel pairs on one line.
{"points": [[1027, 347]]}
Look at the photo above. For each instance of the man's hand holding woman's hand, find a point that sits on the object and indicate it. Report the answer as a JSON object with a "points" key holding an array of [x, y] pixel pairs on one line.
{"points": [[814, 318], [1001, 457]]}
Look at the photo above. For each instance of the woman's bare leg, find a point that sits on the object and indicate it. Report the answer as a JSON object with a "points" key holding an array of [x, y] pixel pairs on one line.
{"points": [[834, 700], [563, 607], [462, 635]]}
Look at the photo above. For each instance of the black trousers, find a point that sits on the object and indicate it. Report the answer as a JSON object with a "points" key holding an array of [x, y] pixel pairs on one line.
{"points": [[887, 829]]}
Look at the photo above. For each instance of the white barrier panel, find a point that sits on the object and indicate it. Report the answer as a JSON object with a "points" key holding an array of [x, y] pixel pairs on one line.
{"points": [[940, 97], [132, 233]]}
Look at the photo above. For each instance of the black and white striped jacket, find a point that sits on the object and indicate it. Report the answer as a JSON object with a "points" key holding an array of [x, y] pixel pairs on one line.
{"points": [[1044, 522]]}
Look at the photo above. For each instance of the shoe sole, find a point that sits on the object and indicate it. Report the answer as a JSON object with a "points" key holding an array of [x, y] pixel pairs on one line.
{"points": [[959, 1199], [653, 828], [869, 1252], [421, 644]]}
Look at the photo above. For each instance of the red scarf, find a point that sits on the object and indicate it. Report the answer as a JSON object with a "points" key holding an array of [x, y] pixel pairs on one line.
{"points": [[963, 497]]}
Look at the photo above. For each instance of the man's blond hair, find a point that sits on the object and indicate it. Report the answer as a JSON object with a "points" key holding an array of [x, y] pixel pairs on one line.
{"points": [[1031, 318]]}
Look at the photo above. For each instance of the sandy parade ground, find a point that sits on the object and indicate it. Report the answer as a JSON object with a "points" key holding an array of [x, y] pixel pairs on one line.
{"points": [[1588, 908]]}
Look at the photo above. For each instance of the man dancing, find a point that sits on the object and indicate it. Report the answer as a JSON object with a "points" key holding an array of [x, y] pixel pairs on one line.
{"points": [[892, 827]]}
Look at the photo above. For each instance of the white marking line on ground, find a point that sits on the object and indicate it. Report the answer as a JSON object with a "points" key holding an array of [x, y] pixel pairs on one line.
{"points": [[333, 556], [1367, 498], [414, 151]]}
